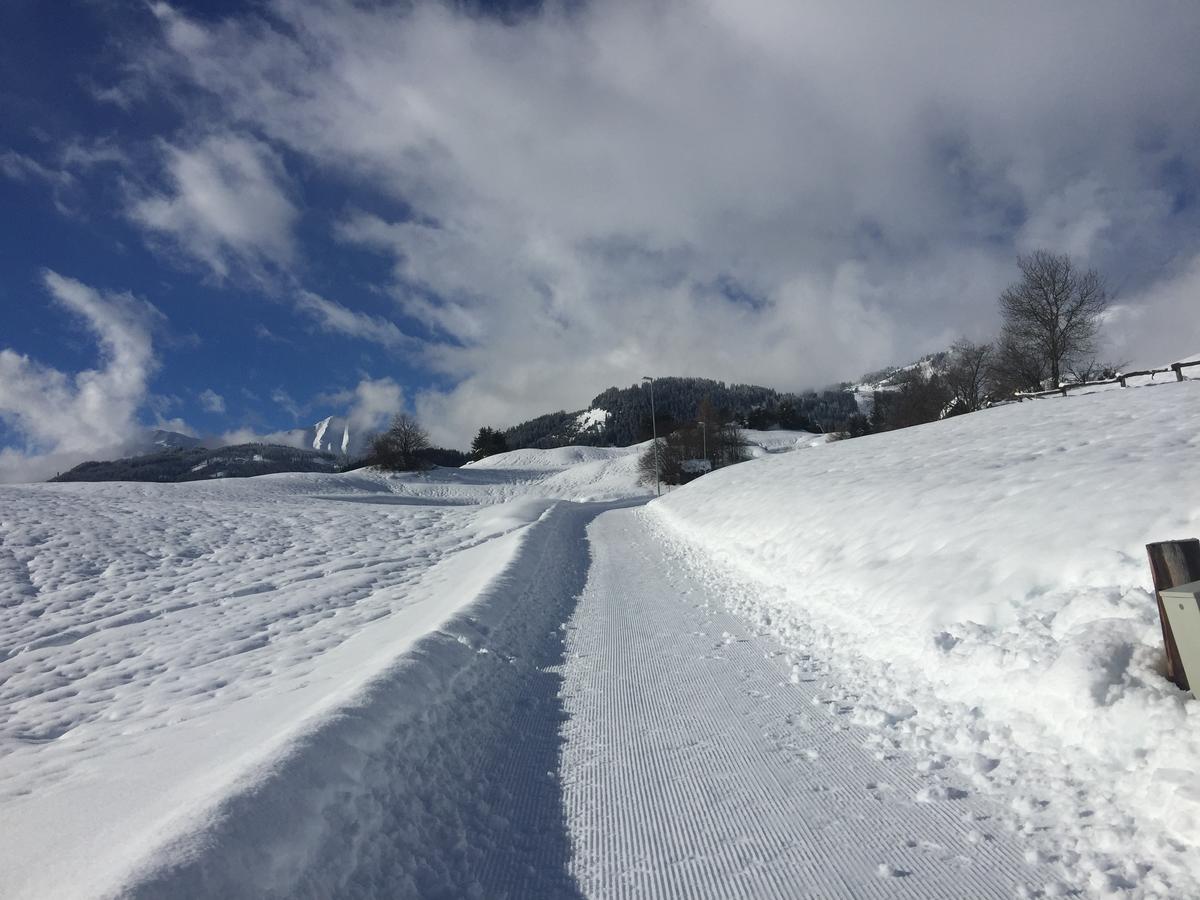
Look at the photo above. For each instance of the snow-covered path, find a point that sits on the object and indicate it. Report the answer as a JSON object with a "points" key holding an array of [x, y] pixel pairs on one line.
{"points": [[699, 763]]}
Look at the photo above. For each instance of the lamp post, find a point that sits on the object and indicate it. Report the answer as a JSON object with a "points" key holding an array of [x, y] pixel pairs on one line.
{"points": [[654, 431], [704, 438]]}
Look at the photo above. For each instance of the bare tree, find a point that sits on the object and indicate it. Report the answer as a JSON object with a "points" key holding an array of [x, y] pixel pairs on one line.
{"points": [[399, 448], [667, 466], [969, 376], [1014, 368], [1051, 316], [919, 397]]}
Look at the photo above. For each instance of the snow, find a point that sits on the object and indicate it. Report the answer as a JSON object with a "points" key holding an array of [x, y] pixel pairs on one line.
{"points": [[557, 458], [492, 681], [330, 435], [989, 572], [694, 766], [161, 643], [591, 418], [763, 443], [577, 473]]}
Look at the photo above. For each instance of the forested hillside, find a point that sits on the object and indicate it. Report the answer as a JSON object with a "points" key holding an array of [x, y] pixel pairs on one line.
{"points": [[199, 463], [621, 416]]}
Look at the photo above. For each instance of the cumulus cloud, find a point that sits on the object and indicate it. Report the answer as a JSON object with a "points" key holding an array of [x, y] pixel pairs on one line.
{"points": [[61, 417], [372, 404], [211, 401], [1160, 325], [764, 190], [225, 205]]}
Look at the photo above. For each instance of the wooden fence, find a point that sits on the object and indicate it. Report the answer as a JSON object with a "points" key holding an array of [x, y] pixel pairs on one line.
{"points": [[1120, 379]]}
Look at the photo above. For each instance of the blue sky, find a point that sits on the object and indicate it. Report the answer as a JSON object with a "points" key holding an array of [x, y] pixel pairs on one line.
{"points": [[236, 218]]}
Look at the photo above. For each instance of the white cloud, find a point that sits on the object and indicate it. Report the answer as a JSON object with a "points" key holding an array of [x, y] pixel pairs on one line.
{"points": [[1159, 325], [62, 183], [211, 401], [285, 400], [62, 417], [374, 402], [335, 318], [226, 205], [367, 408], [762, 190], [291, 438]]}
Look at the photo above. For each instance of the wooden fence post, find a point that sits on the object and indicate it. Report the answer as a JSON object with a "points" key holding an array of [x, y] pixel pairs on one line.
{"points": [[1173, 563], [1177, 368], [1121, 378]]}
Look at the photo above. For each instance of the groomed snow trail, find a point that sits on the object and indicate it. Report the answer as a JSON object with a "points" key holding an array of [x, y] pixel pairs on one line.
{"points": [[694, 766]]}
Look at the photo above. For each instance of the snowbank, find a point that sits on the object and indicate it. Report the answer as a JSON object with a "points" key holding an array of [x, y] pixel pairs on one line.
{"points": [[983, 583], [556, 458], [574, 473], [780, 441]]}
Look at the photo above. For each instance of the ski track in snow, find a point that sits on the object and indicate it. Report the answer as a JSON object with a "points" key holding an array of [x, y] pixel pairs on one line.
{"points": [[695, 767]]}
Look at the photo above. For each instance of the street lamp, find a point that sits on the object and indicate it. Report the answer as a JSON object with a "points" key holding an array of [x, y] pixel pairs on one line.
{"points": [[654, 431], [704, 437]]}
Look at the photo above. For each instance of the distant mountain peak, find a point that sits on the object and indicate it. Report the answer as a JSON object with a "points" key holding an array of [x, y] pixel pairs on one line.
{"points": [[160, 439], [332, 435]]}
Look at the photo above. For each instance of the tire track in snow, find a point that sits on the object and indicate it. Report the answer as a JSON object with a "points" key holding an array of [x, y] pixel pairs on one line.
{"points": [[693, 767]]}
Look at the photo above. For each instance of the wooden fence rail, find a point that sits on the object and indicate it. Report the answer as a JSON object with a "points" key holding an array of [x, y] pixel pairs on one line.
{"points": [[1120, 379]]}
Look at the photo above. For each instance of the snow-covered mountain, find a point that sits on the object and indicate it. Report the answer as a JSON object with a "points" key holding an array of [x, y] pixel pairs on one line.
{"points": [[332, 435], [890, 378], [158, 439]]}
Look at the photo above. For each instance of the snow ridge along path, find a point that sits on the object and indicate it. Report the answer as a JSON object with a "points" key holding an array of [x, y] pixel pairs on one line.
{"points": [[701, 761]]}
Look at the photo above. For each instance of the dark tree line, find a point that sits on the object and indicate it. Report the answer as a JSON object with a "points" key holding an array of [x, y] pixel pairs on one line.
{"points": [[676, 400], [201, 464], [488, 442]]}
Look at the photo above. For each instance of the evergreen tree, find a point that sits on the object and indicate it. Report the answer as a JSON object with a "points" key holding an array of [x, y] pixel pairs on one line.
{"points": [[488, 442]]}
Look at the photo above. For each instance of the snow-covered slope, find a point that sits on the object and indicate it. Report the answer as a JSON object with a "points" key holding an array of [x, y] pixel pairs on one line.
{"points": [[579, 473], [983, 582]]}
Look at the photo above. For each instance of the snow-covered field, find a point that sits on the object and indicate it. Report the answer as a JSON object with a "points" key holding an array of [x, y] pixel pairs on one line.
{"points": [[163, 643], [358, 685], [980, 586]]}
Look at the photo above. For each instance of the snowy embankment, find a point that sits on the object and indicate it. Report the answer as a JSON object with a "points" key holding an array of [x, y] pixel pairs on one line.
{"points": [[982, 584], [764, 443], [193, 676]]}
